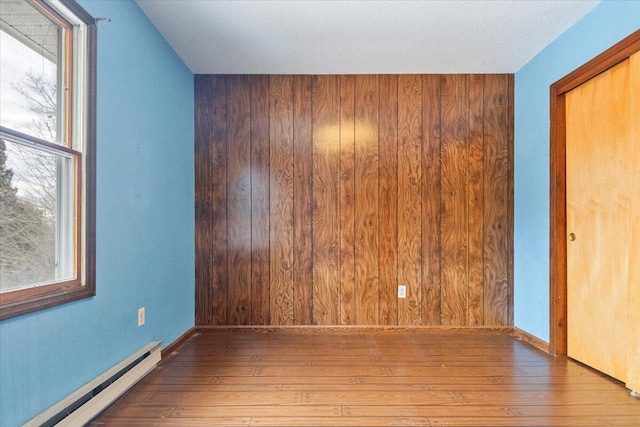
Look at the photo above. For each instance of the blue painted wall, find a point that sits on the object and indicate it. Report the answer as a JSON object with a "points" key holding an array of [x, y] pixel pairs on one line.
{"points": [[604, 26], [145, 237]]}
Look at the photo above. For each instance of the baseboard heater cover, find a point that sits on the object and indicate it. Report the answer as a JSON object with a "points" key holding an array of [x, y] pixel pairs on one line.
{"points": [[84, 404]]}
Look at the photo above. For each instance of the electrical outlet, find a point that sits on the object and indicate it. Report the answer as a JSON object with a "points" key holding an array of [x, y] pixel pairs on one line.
{"points": [[402, 291], [141, 316]]}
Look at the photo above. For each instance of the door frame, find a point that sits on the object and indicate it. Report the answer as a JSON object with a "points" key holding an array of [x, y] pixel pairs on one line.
{"points": [[558, 203]]}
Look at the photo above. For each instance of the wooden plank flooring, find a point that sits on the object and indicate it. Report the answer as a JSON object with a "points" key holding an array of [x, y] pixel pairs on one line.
{"points": [[311, 377]]}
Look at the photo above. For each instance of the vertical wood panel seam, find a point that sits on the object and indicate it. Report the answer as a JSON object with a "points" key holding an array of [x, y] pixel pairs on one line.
{"points": [[484, 205], [268, 144], [379, 225], [466, 199], [269, 199], [440, 138], [312, 142], [469, 195], [377, 216], [356, 305], [510, 127], [353, 100], [440, 91], [226, 199], [422, 192], [312, 198], [292, 117], [250, 314], [397, 232], [340, 165], [511, 207], [293, 196], [339, 184]]}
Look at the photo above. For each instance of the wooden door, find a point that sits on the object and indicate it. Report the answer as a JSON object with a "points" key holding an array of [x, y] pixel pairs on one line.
{"points": [[599, 205], [633, 298]]}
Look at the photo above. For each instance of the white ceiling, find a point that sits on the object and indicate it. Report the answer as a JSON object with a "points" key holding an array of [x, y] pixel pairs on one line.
{"points": [[356, 37]]}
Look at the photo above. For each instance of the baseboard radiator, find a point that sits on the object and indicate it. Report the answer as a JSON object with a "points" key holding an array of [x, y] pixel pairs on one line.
{"points": [[82, 405]]}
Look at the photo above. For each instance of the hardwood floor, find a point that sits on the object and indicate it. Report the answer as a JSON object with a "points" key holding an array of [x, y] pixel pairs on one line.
{"points": [[302, 377]]}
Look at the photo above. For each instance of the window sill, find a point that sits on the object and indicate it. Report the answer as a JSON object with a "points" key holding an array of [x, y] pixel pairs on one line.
{"points": [[15, 303]]}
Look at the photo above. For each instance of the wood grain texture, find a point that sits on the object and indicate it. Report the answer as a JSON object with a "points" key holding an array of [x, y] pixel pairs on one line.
{"points": [[558, 227], [218, 278], [281, 200], [496, 188], [558, 248], [326, 216], [347, 201], [431, 196], [366, 206], [204, 192], [633, 180], [599, 198], [260, 196], [356, 184], [454, 202], [292, 376], [238, 201], [302, 207], [410, 197], [388, 210], [510, 231], [475, 203]]}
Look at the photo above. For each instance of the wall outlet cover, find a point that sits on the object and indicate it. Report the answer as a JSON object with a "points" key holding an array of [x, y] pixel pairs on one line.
{"points": [[402, 291], [141, 316]]}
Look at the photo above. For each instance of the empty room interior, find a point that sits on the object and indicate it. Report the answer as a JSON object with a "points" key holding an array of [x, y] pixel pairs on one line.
{"points": [[365, 213]]}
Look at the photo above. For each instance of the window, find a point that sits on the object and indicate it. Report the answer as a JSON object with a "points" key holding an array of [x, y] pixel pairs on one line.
{"points": [[47, 154]]}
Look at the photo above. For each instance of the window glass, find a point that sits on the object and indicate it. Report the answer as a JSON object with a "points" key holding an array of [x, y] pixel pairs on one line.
{"points": [[29, 70], [47, 154], [28, 215]]}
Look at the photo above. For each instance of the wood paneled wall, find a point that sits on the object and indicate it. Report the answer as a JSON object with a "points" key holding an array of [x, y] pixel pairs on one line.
{"points": [[316, 196]]}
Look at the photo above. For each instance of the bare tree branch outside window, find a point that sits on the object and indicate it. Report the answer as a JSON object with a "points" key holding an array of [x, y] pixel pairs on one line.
{"points": [[28, 193]]}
